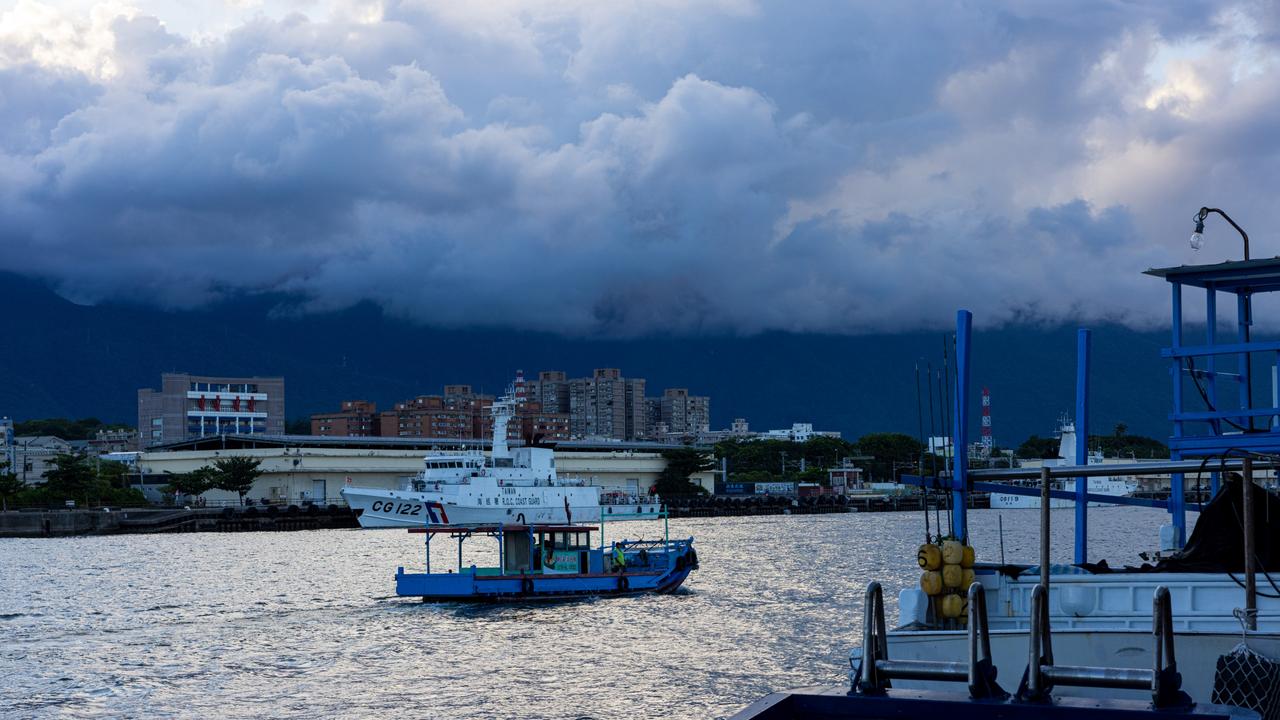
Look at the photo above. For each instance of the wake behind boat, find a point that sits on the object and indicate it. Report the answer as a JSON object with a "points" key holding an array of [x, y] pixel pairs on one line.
{"points": [[510, 485]]}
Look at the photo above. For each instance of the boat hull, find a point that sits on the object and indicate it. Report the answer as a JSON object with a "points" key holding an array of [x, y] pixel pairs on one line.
{"points": [[467, 586], [402, 509], [1197, 654], [1104, 620], [1097, 486]]}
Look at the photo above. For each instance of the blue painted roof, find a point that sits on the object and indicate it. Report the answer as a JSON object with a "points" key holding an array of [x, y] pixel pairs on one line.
{"points": [[1261, 275]]}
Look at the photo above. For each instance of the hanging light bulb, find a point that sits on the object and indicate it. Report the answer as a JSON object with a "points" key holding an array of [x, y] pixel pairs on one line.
{"points": [[1197, 237]]}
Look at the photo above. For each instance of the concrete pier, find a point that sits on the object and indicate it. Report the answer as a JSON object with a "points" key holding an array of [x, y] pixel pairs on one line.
{"points": [[61, 523]]}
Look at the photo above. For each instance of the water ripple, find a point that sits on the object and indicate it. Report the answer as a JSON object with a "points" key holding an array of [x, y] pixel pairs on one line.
{"points": [[301, 625]]}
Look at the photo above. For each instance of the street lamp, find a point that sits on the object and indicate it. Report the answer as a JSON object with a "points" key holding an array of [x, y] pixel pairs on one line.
{"points": [[1197, 237], [1197, 240]]}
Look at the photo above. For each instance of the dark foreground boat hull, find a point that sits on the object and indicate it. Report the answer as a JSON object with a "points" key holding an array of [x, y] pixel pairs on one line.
{"points": [[835, 703]]}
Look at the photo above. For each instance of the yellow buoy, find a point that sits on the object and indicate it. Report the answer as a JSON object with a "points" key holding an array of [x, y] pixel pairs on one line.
{"points": [[952, 606], [952, 552], [952, 576], [929, 557], [969, 577], [931, 582], [967, 560]]}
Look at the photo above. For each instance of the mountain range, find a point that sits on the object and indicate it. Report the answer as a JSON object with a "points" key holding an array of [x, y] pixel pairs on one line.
{"points": [[58, 358]]}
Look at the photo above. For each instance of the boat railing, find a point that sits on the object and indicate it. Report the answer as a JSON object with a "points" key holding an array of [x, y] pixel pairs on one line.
{"points": [[1162, 679], [615, 498], [877, 670], [652, 551]]}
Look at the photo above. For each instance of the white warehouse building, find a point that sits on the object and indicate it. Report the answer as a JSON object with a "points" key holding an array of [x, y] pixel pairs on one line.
{"points": [[299, 469]]}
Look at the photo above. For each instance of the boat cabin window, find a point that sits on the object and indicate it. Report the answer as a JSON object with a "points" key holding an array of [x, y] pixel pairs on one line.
{"points": [[566, 540], [446, 464]]}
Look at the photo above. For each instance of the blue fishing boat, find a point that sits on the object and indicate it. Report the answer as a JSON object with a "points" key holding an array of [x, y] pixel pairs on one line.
{"points": [[549, 562]]}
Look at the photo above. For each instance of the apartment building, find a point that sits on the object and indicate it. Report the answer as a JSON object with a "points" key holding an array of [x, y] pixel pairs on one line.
{"points": [[607, 405], [684, 414], [550, 391], [357, 418]]}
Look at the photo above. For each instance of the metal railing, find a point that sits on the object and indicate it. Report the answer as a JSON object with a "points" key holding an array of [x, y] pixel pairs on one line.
{"points": [[877, 669], [1162, 679]]}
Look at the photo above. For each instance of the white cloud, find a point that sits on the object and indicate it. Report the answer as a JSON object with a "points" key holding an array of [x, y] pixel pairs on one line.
{"points": [[626, 169]]}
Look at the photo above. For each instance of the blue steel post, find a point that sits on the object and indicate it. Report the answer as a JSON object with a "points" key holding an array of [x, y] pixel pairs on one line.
{"points": [[1082, 444], [1210, 363], [960, 436], [1242, 326], [1177, 495]]}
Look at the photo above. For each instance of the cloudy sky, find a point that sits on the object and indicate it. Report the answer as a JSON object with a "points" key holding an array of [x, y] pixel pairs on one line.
{"points": [[622, 168]]}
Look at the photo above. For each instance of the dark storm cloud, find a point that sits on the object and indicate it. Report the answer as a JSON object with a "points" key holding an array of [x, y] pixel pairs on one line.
{"points": [[626, 169]]}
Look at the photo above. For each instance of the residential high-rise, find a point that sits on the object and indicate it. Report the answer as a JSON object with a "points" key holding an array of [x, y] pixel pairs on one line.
{"points": [[685, 414], [550, 391], [654, 427], [607, 405], [191, 406]]}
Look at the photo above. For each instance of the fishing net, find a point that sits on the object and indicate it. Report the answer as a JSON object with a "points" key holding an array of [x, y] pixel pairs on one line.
{"points": [[1248, 680]]}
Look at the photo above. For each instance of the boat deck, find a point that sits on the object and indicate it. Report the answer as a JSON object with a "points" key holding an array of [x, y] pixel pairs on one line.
{"points": [[835, 702]]}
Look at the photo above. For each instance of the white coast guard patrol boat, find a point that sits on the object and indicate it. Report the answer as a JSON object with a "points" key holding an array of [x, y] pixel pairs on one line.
{"points": [[510, 485], [1118, 486]]}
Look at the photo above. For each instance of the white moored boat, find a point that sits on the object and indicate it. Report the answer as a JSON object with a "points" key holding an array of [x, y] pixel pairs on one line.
{"points": [[1101, 620], [510, 485], [1117, 486]]}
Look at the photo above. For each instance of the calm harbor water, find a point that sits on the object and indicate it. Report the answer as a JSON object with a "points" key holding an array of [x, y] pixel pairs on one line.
{"points": [[303, 624]]}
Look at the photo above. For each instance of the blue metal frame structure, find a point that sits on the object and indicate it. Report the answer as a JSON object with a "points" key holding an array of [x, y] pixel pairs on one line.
{"points": [[1216, 431], [1213, 432], [1082, 444], [960, 440]]}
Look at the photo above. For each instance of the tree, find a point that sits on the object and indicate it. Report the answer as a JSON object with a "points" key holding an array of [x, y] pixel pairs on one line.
{"points": [[236, 474], [1038, 448], [1121, 430], [674, 481], [195, 482], [815, 475], [10, 485], [72, 477], [298, 426], [82, 429], [888, 449]]}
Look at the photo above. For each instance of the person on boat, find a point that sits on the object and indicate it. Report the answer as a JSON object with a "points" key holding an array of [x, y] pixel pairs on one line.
{"points": [[619, 560]]}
